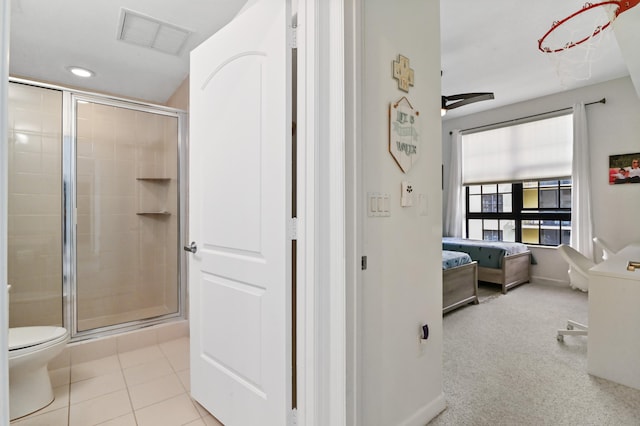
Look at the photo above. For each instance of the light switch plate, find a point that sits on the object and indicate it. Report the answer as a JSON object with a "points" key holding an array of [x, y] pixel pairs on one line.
{"points": [[378, 204]]}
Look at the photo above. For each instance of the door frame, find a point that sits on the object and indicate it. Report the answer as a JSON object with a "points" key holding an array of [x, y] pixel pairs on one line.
{"points": [[321, 257], [322, 233], [5, 18]]}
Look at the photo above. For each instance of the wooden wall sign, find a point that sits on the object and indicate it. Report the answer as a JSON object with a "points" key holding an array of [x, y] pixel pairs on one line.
{"points": [[404, 134], [403, 73]]}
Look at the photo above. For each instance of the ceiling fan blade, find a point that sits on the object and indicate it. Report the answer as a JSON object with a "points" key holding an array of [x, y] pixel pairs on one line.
{"points": [[465, 99]]}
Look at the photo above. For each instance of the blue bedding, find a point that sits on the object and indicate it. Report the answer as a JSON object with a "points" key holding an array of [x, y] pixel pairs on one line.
{"points": [[488, 254], [452, 259]]}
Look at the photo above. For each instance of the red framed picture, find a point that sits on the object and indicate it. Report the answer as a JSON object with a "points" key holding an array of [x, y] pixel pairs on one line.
{"points": [[624, 168]]}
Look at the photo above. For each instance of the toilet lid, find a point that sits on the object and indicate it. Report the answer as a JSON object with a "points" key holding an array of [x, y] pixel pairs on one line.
{"points": [[23, 337]]}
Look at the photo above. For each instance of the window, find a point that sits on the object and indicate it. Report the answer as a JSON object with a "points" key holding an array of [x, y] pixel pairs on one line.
{"points": [[514, 185], [528, 151], [532, 212]]}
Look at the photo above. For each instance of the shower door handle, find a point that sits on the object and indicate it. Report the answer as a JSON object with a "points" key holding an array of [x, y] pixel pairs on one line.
{"points": [[193, 248]]}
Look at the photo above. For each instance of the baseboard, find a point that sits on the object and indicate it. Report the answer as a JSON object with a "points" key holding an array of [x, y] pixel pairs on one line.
{"points": [[549, 281], [92, 349], [426, 413]]}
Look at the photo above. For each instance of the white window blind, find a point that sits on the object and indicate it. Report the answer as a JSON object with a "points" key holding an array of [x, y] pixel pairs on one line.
{"points": [[529, 151]]}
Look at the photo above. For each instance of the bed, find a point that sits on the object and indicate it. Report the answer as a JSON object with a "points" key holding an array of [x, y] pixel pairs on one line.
{"points": [[459, 280], [499, 262]]}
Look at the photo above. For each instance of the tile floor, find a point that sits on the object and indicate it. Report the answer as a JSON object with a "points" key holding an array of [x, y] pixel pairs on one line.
{"points": [[142, 387]]}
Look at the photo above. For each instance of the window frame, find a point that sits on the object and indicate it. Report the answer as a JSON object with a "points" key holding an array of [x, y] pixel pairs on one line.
{"points": [[519, 214]]}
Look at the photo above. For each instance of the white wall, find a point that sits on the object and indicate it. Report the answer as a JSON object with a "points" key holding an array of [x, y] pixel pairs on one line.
{"points": [[401, 380], [614, 128]]}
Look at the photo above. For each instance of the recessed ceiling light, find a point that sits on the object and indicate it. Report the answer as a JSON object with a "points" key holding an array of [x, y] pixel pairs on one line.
{"points": [[81, 72]]}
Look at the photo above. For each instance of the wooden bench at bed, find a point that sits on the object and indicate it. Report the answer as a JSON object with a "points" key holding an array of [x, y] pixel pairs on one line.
{"points": [[459, 283], [515, 271], [507, 264]]}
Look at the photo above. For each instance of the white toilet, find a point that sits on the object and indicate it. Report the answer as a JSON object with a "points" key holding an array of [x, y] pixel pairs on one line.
{"points": [[30, 350]]}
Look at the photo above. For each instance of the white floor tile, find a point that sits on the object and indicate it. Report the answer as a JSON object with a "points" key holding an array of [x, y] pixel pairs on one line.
{"points": [[104, 391], [140, 356], [185, 379], [146, 372], [60, 400], [177, 345], [95, 368], [175, 411], [128, 420], [96, 386], [100, 410], [57, 417], [155, 391], [60, 376], [209, 420], [177, 352]]}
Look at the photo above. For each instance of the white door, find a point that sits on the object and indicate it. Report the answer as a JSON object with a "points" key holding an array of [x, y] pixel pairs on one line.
{"points": [[240, 186]]}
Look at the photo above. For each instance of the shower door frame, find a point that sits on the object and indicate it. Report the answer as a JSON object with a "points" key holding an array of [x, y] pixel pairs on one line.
{"points": [[70, 194], [69, 207]]}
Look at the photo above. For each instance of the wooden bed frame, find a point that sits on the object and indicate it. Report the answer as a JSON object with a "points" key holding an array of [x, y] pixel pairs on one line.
{"points": [[459, 286], [515, 271]]}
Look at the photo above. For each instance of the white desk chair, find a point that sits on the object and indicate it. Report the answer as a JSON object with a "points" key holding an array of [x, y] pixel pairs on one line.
{"points": [[607, 251], [579, 278]]}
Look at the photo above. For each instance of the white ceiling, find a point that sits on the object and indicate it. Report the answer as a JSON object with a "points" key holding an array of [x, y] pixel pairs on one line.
{"points": [[492, 46], [47, 36], [486, 46]]}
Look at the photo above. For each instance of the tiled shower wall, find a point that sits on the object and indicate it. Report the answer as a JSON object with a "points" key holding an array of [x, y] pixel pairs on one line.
{"points": [[34, 204], [127, 217], [127, 168]]}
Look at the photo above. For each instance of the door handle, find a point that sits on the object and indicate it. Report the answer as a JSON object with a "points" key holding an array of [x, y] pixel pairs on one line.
{"points": [[193, 248]]}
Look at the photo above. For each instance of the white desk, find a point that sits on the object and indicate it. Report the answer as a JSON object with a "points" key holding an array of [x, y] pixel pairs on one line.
{"points": [[613, 349]]}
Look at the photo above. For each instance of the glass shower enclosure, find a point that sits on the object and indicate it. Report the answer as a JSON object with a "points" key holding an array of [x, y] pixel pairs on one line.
{"points": [[103, 254]]}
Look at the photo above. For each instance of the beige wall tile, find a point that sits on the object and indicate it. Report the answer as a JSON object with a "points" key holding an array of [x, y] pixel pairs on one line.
{"points": [[92, 349], [34, 205], [114, 146], [136, 340], [172, 330]]}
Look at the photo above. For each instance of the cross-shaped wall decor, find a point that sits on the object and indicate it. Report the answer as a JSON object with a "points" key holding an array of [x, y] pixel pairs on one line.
{"points": [[403, 73]]}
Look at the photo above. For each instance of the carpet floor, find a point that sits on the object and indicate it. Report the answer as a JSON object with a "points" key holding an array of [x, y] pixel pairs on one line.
{"points": [[502, 364]]}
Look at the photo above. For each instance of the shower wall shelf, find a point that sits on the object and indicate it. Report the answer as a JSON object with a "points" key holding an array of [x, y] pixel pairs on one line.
{"points": [[160, 183]]}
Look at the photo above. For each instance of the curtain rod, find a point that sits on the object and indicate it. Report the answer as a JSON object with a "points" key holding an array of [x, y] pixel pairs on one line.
{"points": [[601, 101]]}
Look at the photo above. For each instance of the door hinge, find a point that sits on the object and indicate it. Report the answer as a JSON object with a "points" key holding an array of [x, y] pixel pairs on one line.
{"points": [[293, 37], [294, 417], [363, 263], [292, 229]]}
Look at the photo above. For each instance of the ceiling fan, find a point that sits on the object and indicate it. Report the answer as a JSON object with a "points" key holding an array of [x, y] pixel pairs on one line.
{"points": [[461, 99]]}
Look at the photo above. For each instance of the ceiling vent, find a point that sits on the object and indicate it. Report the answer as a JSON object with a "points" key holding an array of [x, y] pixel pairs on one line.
{"points": [[145, 31]]}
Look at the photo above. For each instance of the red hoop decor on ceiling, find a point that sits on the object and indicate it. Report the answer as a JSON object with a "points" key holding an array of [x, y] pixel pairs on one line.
{"points": [[626, 5], [598, 30]]}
